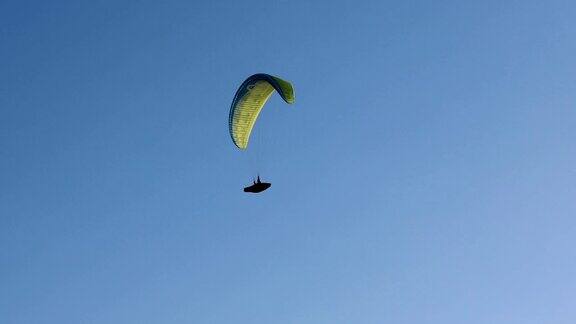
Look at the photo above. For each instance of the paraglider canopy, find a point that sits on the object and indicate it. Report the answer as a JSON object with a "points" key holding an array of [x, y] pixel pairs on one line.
{"points": [[250, 97]]}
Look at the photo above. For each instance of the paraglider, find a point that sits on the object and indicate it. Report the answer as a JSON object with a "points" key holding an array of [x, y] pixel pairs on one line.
{"points": [[249, 100], [257, 186]]}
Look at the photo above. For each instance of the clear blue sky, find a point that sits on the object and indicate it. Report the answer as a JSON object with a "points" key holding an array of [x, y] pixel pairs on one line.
{"points": [[426, 173]]}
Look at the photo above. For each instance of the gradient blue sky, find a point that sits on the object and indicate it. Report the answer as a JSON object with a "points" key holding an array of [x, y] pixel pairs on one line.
{"points": [[426, 173]]}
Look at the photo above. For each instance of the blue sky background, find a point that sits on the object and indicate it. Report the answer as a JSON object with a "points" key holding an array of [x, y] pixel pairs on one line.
{"points": [[426, 173]]}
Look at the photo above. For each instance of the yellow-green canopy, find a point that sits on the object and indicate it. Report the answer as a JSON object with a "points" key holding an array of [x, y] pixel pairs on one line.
{"points": [[248, 102]]}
